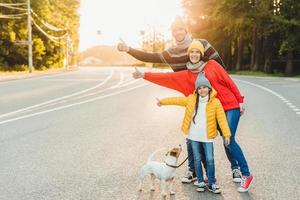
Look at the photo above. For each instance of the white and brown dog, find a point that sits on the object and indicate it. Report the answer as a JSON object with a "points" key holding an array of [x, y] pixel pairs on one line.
{"points": [[165, 171]]}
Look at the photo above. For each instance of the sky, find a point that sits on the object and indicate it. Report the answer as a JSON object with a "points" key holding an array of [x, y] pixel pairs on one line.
{"points": [[104, 22]]}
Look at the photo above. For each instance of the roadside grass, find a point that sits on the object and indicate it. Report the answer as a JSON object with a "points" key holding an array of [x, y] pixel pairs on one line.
{"points": [[4, 73], [257, 73]]}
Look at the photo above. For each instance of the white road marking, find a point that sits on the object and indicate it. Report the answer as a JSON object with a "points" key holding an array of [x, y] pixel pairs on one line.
{"points": [[287, 102], [128, 83], [60, 98], [118, 85], [121, 80], [71, 105]]}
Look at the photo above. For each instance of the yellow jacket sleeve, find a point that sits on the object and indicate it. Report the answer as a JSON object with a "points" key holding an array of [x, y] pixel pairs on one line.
{"points": [[222, 121], [179, 101]]}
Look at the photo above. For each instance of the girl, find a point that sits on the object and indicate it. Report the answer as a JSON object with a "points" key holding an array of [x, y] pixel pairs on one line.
{"points": [[203, 111], [228, 94]]}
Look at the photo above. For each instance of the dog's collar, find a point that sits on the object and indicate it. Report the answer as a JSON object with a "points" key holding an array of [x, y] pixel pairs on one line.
{"points": [[173, 166]]}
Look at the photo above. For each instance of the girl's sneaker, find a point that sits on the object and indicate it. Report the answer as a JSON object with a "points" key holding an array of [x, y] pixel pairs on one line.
{"points": [[200, 186], [189, 177], [214, 188], [245, 184]]}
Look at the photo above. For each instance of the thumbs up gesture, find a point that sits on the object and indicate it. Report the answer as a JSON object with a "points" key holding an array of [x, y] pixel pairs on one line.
{"points": [[158, 102], [137, 74], [122, 46]]}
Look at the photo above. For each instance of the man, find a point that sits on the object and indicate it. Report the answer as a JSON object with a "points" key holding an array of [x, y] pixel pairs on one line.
{"points": [[177, 57]]}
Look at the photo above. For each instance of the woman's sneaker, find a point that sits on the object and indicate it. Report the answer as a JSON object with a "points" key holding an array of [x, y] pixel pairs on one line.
{"points": [[214, 188], [237, 176], [200, 186], [245, 184], [189, 177]]}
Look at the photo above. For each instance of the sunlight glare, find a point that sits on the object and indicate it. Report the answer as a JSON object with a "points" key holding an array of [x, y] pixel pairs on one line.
{"points": [[104, 22]]}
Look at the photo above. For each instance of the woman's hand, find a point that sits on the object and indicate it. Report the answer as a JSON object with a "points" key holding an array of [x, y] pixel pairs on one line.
{"points": [[226, 141], [158, 102], [137, 74], [242, 109]]}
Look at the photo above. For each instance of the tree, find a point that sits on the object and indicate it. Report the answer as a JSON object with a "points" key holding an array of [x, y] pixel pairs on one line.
{"points": [[48, 15], [268, 29]]}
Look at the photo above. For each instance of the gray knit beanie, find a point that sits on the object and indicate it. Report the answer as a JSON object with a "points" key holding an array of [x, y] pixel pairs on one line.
{"points": [[202, 81]]}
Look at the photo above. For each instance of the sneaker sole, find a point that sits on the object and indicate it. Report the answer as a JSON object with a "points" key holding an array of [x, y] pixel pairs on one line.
{"points": [[237, 180], [216, 191], [186, 182], [240, 189], [189, 181]]}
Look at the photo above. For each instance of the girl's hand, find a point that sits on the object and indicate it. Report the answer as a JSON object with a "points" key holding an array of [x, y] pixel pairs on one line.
{"points": [[227, 141], [158, 102], [137, 74]]}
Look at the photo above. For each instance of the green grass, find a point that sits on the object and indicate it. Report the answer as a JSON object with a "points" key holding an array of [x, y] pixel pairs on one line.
{"points": [[257, 73], [26, 71], [12, 72]]}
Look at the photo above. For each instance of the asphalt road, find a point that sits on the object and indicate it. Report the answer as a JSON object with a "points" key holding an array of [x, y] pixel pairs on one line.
{"points": [[85, 135]]}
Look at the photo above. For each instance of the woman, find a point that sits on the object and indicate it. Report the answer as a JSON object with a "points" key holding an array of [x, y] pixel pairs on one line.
{"points": [[228, 94]]}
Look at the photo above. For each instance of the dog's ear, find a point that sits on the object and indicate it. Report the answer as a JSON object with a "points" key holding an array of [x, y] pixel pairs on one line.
{"points": [[173, 153]]}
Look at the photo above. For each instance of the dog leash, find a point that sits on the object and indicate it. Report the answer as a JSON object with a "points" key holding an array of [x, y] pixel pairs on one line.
{"points": [[173, 166]]}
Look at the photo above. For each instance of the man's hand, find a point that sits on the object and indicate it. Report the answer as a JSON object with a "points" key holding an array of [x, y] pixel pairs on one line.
{"points": [[122, 46], [137, 74], [158, 102], [242, 108], [227, 141]]}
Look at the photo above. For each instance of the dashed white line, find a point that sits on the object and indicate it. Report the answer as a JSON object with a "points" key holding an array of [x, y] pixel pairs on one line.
{"points": [[287, 102]]}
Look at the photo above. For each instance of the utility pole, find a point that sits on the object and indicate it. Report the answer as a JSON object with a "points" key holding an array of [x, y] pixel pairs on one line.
{"points": [[29, 37], [67, 51], [154, 40]]}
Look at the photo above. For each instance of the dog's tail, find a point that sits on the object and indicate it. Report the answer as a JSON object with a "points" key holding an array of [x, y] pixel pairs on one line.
{"points": [[152, 155]]}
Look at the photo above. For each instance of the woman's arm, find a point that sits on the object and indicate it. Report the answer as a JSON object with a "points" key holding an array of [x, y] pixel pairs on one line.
{"points": [[179, 81]]}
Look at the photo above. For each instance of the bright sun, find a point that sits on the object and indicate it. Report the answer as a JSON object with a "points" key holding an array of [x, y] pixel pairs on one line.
{"points": [[104, 22]]}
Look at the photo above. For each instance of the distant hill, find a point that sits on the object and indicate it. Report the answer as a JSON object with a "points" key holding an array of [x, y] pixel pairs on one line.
{"points": [[106, 55]]}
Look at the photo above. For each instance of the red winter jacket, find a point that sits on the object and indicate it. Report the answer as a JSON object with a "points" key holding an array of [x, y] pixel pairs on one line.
{"points": [[184, 82]]}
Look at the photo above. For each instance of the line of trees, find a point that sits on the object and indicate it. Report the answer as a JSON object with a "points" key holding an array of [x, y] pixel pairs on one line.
{"points": [[251, 35], [47, 53]]}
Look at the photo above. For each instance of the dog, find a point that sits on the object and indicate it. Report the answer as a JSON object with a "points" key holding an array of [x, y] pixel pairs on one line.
{"points": [[165, 171]]}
